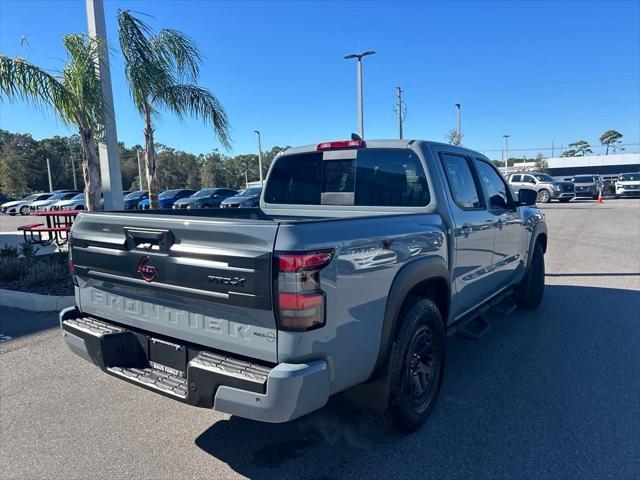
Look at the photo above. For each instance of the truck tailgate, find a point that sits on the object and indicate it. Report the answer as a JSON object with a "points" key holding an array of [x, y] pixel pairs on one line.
{"points": [[202, 280]]}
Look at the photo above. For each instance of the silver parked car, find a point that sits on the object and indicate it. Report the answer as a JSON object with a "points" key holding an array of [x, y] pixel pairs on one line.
{"points": [[547, 187]]}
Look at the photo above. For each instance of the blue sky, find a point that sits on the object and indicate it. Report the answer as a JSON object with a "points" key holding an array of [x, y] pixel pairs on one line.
{"points": [[540, 71]]}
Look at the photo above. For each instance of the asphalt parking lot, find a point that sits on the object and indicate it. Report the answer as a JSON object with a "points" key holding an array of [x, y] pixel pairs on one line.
{"points": [[553, 393]]}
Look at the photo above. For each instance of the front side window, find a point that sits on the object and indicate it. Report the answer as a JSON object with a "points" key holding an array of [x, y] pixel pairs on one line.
{"points": [[497, 190], [375, 177], [463, 187], [528, 179]]}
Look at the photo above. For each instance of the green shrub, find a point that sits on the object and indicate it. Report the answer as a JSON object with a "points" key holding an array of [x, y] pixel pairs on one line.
{"points": [[47, 274], [9, 251], [28, 250]]}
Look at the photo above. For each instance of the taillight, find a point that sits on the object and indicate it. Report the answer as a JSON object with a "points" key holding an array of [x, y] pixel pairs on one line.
{"points": [[341, 144], [300, 301]]}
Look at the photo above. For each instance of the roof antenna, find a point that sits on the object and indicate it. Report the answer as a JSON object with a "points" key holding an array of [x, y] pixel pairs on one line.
{"points": [[355, 136]]}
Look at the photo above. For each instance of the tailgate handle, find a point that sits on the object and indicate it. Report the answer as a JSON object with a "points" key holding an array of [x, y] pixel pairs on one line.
{"points": [[146, 239]]}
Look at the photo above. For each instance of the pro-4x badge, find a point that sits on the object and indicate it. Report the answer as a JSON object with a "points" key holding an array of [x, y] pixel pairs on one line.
{"points": [[146, 269]]}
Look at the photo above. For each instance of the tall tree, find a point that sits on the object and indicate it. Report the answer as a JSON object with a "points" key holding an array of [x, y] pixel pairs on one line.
{"points": [[611, 138], [541, 163], [454, 137], [579, 148], [155, 66], [75, 97]]}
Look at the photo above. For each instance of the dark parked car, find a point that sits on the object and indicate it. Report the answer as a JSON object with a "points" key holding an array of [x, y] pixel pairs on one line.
{"points": [[247, 198], [167, 198], [205, 198], [587, 185], [132, 199]]}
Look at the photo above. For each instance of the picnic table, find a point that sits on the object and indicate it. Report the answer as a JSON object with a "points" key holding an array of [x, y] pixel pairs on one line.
{"points": [[56, 230]]}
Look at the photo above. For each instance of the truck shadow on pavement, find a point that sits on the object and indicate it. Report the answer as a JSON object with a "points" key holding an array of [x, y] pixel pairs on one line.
{"points": [[15, 323], [540, 392]]}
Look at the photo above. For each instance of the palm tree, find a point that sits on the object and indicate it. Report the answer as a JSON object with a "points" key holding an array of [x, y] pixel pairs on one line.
{"points": [[75, 96], [155, 66]]}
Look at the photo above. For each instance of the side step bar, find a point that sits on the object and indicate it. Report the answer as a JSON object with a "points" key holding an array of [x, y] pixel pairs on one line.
{"points": [[475, 324]]}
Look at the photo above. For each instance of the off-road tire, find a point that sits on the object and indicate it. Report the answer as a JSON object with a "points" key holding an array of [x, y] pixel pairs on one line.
{"points": [[416, 366], [24, 210], [544, 196], [529, 292]]}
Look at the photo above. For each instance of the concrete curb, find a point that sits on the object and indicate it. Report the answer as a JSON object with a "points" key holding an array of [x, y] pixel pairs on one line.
{"points": [[34, 302]]}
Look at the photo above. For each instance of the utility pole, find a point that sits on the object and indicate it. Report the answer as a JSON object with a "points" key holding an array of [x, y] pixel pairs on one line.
{"points": [[359, 56], [506, 154], [259, 156], [139, 169], [49, 173], [110, 171], [459, 130], [553, 148], [246, 179], [401, 111]]}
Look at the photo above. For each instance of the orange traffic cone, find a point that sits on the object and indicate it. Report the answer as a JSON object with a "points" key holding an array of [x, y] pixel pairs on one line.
{"points": [[600, 197]]}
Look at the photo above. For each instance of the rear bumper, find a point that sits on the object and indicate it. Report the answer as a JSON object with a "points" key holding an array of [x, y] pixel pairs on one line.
{"points": [[213, 380]]}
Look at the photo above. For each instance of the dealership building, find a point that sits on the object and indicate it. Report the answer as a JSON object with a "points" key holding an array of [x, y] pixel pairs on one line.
{"points": [[607, 166]]}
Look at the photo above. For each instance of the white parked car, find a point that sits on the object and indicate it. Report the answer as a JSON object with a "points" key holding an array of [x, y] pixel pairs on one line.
{"points": [[45, 205], [77, 202], [628, 185], [22, 206]]}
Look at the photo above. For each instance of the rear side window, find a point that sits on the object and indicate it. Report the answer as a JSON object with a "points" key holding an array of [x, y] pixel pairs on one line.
{"points": [[516, 178], [375, 177], [463, 187]]}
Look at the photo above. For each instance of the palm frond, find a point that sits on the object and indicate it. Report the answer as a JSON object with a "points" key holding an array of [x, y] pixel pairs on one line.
{"points": [[21, 80], [179, 52], [81, 78], [192, 100], [144, 70]]}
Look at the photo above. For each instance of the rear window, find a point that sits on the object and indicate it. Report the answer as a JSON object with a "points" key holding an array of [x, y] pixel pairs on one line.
{"points": [[375, 177]]}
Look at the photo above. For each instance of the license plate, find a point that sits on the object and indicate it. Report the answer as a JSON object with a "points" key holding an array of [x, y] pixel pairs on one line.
{"points": [[168, 357]]}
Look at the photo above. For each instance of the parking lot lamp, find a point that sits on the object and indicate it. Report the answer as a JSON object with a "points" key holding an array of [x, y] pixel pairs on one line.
{"points": [[259, 155], [506, 154], [359, 56]]}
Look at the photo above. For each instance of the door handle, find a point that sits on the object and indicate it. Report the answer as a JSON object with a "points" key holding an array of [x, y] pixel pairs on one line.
{"points": [[465, 230], [148, 238]]}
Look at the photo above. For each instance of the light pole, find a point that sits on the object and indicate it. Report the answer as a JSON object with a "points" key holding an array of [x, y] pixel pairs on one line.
{"points": [[110, 172], [506, 154], [259, 155], [359, 56], [459, 130]]}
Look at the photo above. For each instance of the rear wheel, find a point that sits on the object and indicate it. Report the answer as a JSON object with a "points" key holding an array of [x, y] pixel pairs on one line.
{"points": [[529, 292], [543, 196], [416, 366], [24, 210]]}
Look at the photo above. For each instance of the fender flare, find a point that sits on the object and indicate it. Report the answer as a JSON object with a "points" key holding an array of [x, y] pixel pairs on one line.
{"points": [[431, 268], [540, 229]]}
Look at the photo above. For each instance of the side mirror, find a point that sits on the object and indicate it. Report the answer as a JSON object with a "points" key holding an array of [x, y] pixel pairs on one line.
{"points": [[527, 196]]}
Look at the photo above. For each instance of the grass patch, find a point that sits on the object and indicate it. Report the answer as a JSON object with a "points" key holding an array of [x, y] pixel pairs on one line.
{"points": [[46, 274]]}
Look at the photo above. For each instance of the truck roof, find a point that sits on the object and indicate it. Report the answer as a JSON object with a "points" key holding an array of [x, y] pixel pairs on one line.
{"points": [[380, 143]]}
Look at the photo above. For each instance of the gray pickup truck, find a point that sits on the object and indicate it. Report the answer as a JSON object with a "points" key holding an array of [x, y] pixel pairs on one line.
{"points": [[360, 261]]}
